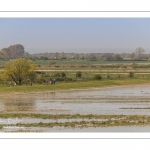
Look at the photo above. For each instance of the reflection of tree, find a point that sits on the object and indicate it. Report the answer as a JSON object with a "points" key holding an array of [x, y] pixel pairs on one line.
{"points": [[19, 105]]}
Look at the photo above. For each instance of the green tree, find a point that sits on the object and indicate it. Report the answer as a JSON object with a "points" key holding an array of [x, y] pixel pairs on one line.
{"points": [[19, 70]]}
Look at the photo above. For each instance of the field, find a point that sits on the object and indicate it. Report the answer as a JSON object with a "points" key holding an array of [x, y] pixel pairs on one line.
{"points": [[110, 72], [107, 69], [88, 62]]}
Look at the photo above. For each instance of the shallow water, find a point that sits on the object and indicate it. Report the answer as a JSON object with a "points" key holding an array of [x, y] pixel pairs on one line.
{"points": [[9, 121], [90, 130], [127, 100], [110, 101], [101, 129]]}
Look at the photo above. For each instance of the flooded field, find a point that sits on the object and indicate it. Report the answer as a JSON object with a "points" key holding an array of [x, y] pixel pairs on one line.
{"points": [[117, 101]]}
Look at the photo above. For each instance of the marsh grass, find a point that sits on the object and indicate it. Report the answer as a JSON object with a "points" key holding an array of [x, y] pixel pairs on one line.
{"points": [[113, 120], [86, 124], [57, 116]]}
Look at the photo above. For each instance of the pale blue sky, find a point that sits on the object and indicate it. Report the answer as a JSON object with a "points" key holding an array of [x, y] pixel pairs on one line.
{"points": [[79, 35]]}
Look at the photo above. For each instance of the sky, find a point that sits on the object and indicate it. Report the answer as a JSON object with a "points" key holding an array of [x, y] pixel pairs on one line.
{"points": [[77, 35]]}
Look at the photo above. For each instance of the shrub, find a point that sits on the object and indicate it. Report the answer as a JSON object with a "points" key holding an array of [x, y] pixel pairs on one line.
{"points": [[79, 74], [131, 75], [38, 72], [119, 76], [63, 74], [40, 81], [52, 62], [97, 77], [108, 76], [59, 79], [45, 75], [57, 75]]}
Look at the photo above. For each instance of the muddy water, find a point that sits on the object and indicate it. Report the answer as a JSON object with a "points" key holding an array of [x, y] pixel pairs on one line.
{"points": [[129, 100], [101, 129], [9, 121], [63, 129]]}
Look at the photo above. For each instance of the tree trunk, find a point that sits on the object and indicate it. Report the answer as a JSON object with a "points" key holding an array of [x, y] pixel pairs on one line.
{"points": [[20, 82], [14, 79]]}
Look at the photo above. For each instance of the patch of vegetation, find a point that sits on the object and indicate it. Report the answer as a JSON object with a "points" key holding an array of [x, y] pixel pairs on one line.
{"points": [[131, 75], [58, 116], [63, 74], [97, 77], [125, 121], [71, 85], [110, 120], [79, 74]]}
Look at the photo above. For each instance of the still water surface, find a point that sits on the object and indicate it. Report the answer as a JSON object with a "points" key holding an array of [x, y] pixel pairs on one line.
{"points": [[125, 100], [111, 101]]}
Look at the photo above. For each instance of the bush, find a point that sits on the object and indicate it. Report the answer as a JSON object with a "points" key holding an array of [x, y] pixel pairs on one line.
{"points": [[57, 75], [119, 76], [45, 75], [38, 72], [59, 79], [97, 77], [108, 76], [79, 74], [63, 74], [63, 79], [131, 75], [40, 81], [52, 62]]}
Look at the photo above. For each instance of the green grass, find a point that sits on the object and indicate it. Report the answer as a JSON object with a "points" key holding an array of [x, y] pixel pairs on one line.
{"points": [[72, 85], [2, 62], [87, 62]]}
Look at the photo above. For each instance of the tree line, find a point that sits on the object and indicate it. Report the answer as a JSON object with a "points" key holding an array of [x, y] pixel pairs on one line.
{"points": [[17, 50], [138, 54]]}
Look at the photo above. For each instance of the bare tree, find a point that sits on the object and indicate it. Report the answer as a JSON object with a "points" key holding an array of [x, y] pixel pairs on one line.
{"points": [[139, 52], [133, 55], [117, 57], [109, 56]]}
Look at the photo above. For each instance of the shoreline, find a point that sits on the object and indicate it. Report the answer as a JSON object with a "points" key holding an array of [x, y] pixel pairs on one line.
{"points": [[32, 93]]}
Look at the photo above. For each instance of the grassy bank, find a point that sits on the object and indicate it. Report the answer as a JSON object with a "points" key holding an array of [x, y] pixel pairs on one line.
{"points": [[72, 85]]}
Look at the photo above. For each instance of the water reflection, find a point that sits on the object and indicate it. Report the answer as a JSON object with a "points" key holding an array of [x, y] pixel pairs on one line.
{"points": [[115, 100], [18, 105]]}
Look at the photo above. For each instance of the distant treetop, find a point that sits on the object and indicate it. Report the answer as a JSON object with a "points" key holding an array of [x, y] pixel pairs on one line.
{"points": [[13, 51]]}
